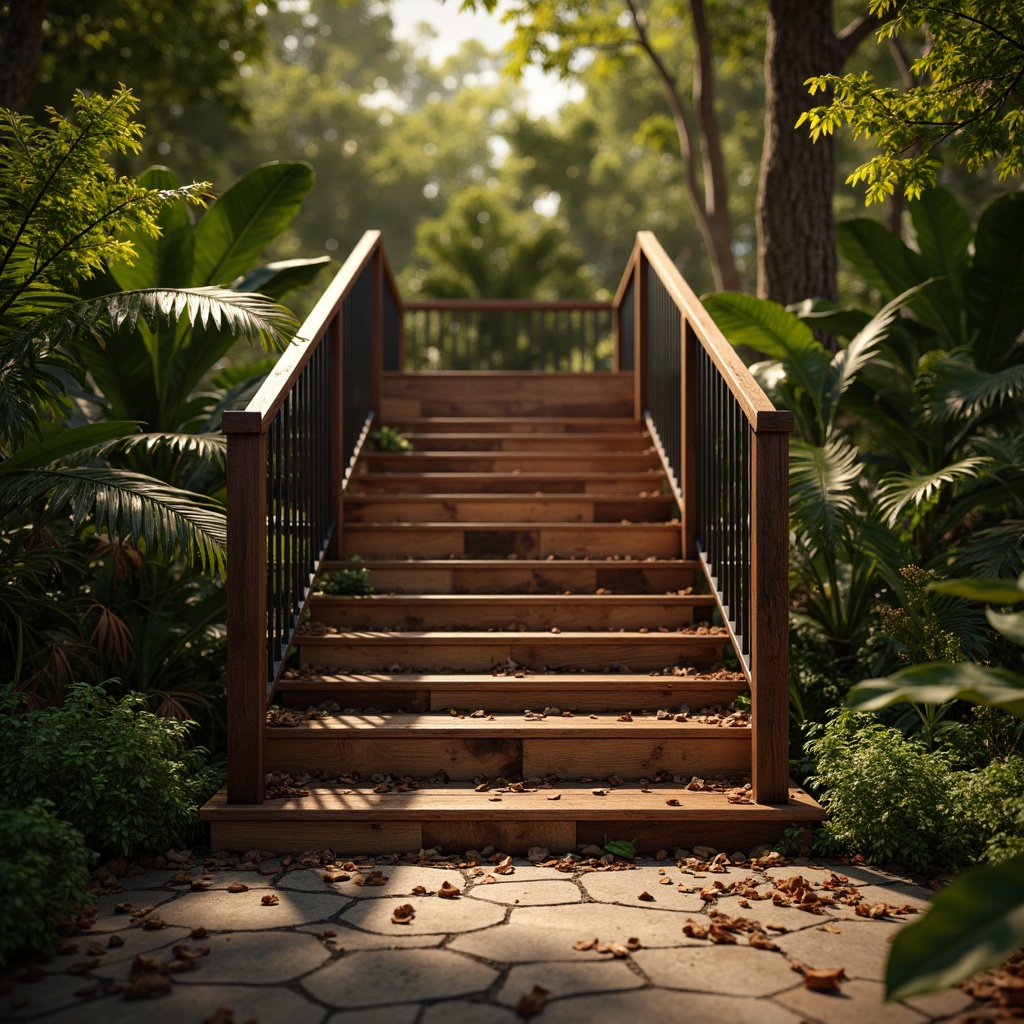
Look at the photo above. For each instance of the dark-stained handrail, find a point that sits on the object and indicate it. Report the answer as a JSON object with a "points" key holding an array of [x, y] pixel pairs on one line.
{"points": [[288, 453], [726, 448]]}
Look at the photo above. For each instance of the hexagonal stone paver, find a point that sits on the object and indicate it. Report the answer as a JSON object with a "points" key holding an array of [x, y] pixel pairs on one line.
{"points": [[346, 939], [626, 886], [860, 947], [401, 880], [529, 894], [857, 1002], [196, 1003], [535, 933], [568, 978], [396, 976], [658, 1004], [220, 910], [385, 1015], [720, 969], [433, 915], [466, 1012], [264, 958]]}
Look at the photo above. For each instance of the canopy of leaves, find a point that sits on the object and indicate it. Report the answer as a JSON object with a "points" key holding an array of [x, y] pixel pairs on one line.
{"points": [[968, 93]]}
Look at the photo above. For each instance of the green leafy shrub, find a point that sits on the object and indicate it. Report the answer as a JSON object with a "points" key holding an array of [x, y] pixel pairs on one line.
{"points": [[119, 774], [891, 799], [353, 582], [46, 868], [390, 439]]}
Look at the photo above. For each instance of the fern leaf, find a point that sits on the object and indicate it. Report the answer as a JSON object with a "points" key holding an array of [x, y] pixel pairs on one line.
{"points": [[898, 490]]}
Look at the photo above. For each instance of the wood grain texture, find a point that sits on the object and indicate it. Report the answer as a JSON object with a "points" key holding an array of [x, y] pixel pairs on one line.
{"points": [[247, 615]]}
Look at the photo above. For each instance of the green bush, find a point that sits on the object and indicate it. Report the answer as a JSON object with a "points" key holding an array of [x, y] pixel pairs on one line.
{"points": [[46, 868], [121, 775], [890, 799], [353, 582], [390, 439]]}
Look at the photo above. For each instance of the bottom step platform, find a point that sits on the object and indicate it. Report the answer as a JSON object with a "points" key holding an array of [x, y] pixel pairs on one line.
{"points": [[458, 818]]}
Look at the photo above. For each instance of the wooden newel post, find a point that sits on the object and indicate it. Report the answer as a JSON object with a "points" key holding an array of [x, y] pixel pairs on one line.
{"points": [[769, 641], [246, 605]]}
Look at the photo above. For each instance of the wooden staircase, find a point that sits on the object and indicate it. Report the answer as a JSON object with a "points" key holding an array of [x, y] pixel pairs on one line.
{"points": [[538, 665]]}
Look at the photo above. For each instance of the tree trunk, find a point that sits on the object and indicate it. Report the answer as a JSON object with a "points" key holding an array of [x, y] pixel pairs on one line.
{"points": [[796, 234], [20, 52]]}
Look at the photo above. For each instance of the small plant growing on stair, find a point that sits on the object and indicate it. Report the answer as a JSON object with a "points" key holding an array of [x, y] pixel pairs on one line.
{"points": [[622, 848], [390, 439], [351, 582]]}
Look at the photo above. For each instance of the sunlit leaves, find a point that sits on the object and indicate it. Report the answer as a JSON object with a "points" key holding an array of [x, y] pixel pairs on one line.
{"points": [[897, 491], [966, 95]]}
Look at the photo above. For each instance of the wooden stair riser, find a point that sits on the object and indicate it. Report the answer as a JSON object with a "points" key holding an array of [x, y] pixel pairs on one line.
{"points": [[535, 613], [633, 484], [580, 695], [560, 426], [492, 441], [512, 758], [505, 393], [504, 540], [483, 652], [506, 463], [506, 508], [525, 577]]}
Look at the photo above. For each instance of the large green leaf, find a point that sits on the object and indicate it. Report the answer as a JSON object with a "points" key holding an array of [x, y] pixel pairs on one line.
{"points": [[1010, 624], [995, 281], [943, 236], [164, 261], [64, 442], [992, 591], [975, 923], [891, 266], [275, 280], [898, 490], [938, 682], [246, 219]]}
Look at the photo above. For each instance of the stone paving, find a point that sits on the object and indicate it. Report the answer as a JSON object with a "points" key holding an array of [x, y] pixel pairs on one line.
{"points": [[500, 951]]}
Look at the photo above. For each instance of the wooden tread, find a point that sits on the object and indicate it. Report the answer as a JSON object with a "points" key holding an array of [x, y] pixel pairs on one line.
{"points": [[515, 691], [506, 462], [599, 612], [552, 425], [491, 508], [639, 483], [457, 818], [523, 575], [511, 539], [470, 440]]}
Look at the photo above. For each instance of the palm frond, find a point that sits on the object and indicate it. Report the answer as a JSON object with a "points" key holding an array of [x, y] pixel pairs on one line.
{"points": [[822, 489], [992, 552], [127, 504], [898, 490], [242, 314], [849, 361], [208, 447], [956, 389]]}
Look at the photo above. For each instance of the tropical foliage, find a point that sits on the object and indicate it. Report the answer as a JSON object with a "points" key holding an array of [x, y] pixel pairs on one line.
{"points": [[979, 919]]}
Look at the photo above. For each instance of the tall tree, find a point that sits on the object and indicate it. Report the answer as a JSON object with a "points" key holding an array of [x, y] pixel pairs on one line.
{"points": [[796, 234]]}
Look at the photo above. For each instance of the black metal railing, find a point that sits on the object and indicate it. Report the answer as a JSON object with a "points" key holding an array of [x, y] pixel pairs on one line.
{"points": [[510, 334], [627, 327], [299, 523], [357, 359], [664, 368], [723, 520]]}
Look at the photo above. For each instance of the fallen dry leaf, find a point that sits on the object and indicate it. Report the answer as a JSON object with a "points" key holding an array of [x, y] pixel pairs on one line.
{"points": [[716, 933], [419, 890], [533, 1002], [761, 941], [238, 887], [646, 897], [448, 891], [584, 944], [632, 942], [694, 929], [819, 979], [270, 900], [504, 867], [403, 914], [489, 880]]}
